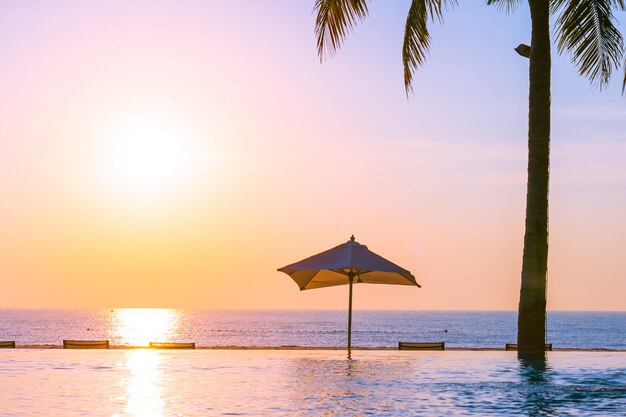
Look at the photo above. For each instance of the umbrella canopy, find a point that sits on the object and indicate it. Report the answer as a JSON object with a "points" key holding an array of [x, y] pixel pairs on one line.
{"points": [[348, 263], [334, 267]]}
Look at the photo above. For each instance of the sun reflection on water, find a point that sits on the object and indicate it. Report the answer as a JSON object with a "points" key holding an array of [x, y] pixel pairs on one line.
{"points": [[140, 326], [144, 389]]}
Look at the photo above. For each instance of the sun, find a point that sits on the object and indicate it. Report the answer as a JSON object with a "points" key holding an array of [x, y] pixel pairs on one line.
{"points": [[147, 155]]}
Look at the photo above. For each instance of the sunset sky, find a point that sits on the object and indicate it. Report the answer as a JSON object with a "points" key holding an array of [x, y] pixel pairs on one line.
{"points": [[174, 154]]}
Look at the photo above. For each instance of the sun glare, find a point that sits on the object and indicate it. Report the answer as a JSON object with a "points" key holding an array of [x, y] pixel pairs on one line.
{"points": [[147, 155], [139, 326]]}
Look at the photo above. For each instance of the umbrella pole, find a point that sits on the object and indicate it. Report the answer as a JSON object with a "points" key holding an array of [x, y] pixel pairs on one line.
{"points": [[351, 277]]}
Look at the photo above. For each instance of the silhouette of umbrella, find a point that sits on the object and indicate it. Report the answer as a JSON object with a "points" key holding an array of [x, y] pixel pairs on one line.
{"points": [[349, 263]]}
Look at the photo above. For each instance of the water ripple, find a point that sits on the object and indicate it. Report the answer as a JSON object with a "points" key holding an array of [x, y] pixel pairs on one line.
{"points": [[310, 383]]}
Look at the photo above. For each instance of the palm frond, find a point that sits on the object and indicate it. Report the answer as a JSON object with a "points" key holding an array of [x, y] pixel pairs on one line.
{"points": [[417, 36], [507, 6], [335, 19], [556, 5], [586, 29], [416, 41]]}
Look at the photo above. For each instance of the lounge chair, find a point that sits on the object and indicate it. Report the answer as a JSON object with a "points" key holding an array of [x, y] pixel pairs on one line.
{"points": [[7, 344], [421, 345], [162, 345], [513, 346], [85, 344]]}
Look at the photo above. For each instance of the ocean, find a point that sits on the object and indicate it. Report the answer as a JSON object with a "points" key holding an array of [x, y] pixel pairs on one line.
{"points": [[471, 329]]}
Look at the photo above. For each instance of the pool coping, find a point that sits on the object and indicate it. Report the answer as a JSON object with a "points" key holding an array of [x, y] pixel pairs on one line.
{"points": [[330, 348]]}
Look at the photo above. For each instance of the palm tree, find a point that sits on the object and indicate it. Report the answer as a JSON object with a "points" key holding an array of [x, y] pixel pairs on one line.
{"points": [[586, 30]]}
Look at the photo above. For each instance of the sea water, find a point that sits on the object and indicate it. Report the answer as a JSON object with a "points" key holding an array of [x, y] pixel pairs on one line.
{"points": [[583, 330], [144, 382]]}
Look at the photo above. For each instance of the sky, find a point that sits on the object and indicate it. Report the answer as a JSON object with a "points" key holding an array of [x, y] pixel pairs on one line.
{"points": [[175, 154]]}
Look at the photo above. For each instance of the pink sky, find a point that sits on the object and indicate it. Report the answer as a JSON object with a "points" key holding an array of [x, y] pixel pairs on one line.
{"points": [[258, 156]]}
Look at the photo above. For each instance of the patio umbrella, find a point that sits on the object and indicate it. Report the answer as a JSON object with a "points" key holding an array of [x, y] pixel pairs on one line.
{"points": [[349, 263]]}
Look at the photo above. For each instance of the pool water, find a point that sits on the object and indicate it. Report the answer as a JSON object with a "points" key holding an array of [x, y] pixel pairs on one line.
{"points": [[309, 383]]}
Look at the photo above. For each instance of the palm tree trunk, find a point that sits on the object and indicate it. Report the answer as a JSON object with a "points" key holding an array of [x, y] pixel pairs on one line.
{"points": [[532, 306]]}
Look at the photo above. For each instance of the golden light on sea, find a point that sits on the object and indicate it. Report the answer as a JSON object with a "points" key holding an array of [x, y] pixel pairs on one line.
{"points": [[140, 326]]}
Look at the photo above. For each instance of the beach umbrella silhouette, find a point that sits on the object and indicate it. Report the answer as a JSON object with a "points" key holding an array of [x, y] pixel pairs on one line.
{"points": [[349, 263]]}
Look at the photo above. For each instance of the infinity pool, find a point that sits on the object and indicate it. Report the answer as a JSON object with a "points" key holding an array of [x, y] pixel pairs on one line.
{"points": [[152, 383]]}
